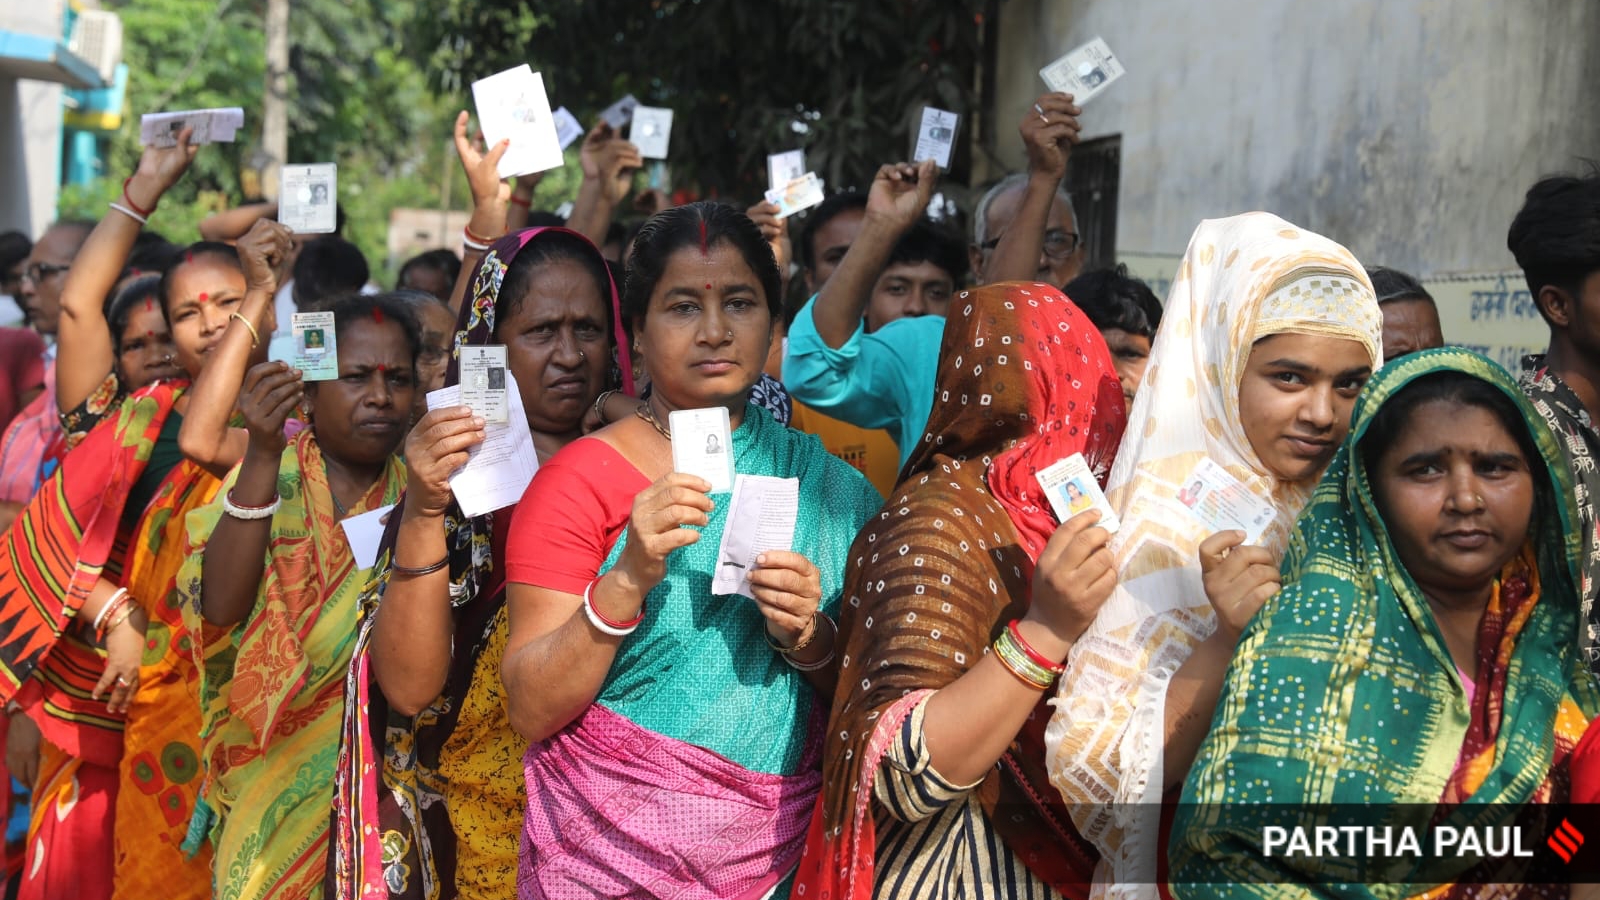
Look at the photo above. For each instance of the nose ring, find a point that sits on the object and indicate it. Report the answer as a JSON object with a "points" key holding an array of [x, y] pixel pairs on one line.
{"points": [[582, 356], [730, 334], [1479, 499]]}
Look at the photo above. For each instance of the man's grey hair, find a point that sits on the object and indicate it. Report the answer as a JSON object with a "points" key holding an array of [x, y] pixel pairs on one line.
{"points": [[980, 219]]}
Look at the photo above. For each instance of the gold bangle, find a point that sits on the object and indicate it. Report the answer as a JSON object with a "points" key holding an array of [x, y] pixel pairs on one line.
{"points": [[805, 641], [255, 339], [600, 405]]}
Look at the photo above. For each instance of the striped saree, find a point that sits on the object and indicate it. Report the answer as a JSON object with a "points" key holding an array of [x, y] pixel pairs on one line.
{"points": [[272, 686]]}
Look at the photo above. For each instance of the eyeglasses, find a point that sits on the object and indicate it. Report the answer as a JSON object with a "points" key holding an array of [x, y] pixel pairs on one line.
{"points": [[39, 271], [1058, 244]]}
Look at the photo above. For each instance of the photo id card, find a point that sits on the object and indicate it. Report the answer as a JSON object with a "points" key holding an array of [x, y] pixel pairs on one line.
{"points": [[307, 203], [567, 127], [512, 105], [651, 131], [801, 193], [936, 137], [1222, 502], [483, 381], [1084, 72], [210, 126], [785, 167], [316, 349], [620, 113], [702, 445], [1071, 488]]}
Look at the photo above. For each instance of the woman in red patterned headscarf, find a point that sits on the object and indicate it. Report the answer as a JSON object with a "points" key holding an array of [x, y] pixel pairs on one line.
{"points": [[962, 598]]}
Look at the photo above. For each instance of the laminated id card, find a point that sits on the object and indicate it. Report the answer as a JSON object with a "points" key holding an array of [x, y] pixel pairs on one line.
{"points": [[483, 381], [702, 445]]}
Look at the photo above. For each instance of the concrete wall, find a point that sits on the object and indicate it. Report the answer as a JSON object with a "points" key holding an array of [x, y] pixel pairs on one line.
{"points": [[1406, 129], [30, 127]]}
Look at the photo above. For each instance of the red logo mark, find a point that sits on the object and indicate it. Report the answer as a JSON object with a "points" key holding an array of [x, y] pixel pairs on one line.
{"points": [[1566, 841]]}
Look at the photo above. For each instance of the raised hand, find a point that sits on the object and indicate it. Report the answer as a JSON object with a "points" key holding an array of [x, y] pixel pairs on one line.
{"points": [[774, 229], [270, 393], [1238, 579], [482, 167], [262, 252], [1074, 578], [1049, 129], [159, 169], [609, 162], [436, 448], [654, 526], [900, 192]]}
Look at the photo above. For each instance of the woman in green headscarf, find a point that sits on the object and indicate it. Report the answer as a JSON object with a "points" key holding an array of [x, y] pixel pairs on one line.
{"points": [[1421, 659]]}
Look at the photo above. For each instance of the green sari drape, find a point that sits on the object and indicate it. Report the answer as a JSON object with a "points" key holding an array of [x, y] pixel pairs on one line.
{"points": [[1342, 692]]}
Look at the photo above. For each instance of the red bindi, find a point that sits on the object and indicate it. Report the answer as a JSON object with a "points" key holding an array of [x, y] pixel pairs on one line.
{"points": [[204, 297], [382, 369], [708, 285]]}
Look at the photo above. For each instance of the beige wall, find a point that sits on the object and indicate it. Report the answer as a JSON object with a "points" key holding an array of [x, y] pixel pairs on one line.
{"points": [[1406, 129]]}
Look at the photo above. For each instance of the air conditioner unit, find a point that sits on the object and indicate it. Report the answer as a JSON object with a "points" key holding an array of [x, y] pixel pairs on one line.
{"points": [[97, 39]]}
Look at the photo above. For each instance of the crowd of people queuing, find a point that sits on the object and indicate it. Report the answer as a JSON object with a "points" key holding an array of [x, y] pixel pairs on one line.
{"points": [[938, 690]]}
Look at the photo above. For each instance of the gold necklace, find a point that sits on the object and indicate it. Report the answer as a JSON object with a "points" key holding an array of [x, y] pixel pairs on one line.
{"points": [[647, 412]]}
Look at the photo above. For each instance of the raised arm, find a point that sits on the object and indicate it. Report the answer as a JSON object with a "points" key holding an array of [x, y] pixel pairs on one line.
{"points": [[490, 198], [231, 224], [238, 546], [608, 166], [556, 659], [413, 631], [1049, 130], [899, 195], [205, 436], [86, 348], [522, 201]]}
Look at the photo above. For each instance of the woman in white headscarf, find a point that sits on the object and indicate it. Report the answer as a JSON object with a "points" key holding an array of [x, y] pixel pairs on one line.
{"points": [[1269, 333]]}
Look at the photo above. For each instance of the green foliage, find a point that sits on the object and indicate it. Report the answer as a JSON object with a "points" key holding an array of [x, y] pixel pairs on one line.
{"points": [[843, 79]]}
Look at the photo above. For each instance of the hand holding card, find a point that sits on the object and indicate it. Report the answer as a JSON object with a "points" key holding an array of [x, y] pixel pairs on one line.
{"points": [[1084, 72], [1070, 486], [936, 136], [1223, 503], [512, 106]]}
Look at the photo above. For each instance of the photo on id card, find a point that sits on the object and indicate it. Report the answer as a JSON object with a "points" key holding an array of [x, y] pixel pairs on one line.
{"points": [[702, 445], [1070, 486], [483, 381]]}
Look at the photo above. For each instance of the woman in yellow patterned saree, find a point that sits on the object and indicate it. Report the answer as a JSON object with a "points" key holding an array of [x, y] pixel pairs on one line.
{"points": [[278, 634], [1267, 337]]}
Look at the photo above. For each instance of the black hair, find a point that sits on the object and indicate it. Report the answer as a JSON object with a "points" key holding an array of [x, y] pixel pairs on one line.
{"points": [[356, 307], [1456, 387], [119, 306], [1556, 235], [540, 219], [14, 248], [200, 249], [547, 248], [327, 268], [700, 225], [1113, 299], [1393, 285], [825, 212], [152, 254], [929, 242], [443, 261]]}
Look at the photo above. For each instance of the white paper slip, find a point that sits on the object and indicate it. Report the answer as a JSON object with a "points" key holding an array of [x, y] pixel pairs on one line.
{"points": [[936, 137], [651, 131], [281, 348], [620, 113], [316, 347], [785, 167], [1221, 502], [512, 104], [498, 470], [365, 534], [1084, 72], [801, 193], [1070, 486], [307, 203], [761, 517], [702, 444], [567, 127], [483, 381], [210, 126]]}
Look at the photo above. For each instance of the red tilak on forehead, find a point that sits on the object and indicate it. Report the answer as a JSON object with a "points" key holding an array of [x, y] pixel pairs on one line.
{"points": [[377, 316], [149, 304], [188, 257], [382, 369]]}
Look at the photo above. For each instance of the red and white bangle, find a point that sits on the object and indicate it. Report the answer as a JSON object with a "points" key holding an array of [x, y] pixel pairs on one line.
{"points": [[601, 623], [248, 513]]}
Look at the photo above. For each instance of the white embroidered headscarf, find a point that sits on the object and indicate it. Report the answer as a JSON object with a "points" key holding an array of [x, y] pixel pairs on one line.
{"points": [[1242, 279]]}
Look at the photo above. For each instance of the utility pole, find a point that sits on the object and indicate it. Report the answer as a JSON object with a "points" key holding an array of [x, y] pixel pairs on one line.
{"points": [[275, 106]]}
